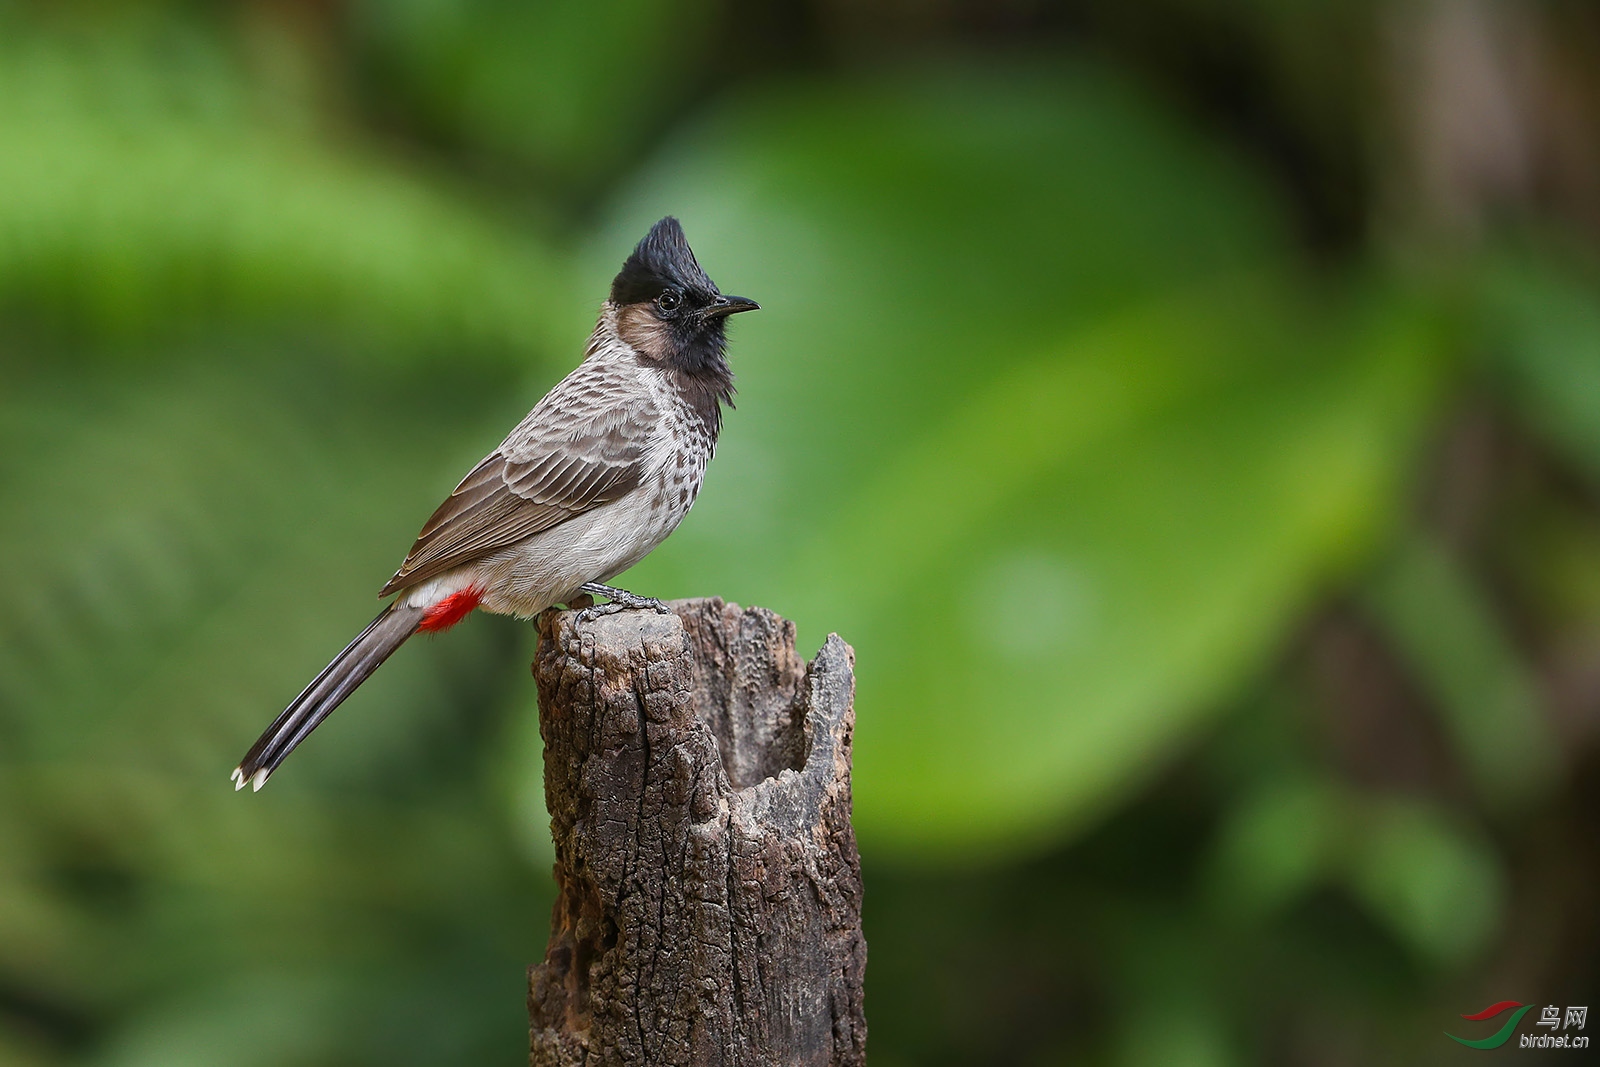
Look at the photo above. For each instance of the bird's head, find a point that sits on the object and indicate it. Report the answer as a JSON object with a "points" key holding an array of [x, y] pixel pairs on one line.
{"points": [[668, 310]]}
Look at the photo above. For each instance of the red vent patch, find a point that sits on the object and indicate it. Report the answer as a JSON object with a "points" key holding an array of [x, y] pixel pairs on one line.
{"points": [[451, 610]]}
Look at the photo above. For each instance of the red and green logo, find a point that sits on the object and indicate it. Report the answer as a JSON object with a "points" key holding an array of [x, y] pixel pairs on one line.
{"points": [[1500, 1036]]}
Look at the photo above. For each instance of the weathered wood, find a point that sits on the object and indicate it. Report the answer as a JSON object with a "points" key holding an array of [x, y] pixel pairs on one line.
{"points": [[697, 774]]}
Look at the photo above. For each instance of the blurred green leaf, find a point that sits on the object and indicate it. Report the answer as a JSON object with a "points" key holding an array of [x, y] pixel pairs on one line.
{"points": [[1435, 883], [936, 223], [1417, 870], [1190, 1033], [1116, 580], [289, 1018], [130, 210], [1281, 841], [565, 86], [1544, 319], [1167, 972], [1450, 637]]}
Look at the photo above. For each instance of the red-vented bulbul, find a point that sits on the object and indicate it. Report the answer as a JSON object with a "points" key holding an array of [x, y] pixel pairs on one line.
{"points": [[598, 474]]}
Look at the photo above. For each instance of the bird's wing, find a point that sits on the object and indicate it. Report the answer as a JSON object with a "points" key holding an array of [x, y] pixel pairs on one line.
{"points": [[582, 446]]}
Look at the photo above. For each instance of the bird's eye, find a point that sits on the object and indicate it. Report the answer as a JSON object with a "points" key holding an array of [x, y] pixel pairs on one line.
{"points": [[669, 300]]}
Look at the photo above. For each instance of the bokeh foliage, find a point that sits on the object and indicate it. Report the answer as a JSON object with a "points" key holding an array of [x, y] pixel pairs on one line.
{"points": [[1110, 395]]}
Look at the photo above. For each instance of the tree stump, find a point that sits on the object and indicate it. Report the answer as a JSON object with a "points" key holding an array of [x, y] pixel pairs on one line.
{"points": [[697, 774]]}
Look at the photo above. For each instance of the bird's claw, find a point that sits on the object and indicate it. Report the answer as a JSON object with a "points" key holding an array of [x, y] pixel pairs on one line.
{"points": [[594, 611], [620, 600]]}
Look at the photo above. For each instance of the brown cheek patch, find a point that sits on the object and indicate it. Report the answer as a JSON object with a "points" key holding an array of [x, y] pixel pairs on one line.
{"points": [[646, 334]]}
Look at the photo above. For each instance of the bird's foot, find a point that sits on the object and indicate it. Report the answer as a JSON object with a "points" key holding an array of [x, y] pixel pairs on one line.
{"points": [[620, 600]]}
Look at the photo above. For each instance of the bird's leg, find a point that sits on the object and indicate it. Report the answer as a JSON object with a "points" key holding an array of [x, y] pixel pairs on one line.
{"points": [[621, 600]]}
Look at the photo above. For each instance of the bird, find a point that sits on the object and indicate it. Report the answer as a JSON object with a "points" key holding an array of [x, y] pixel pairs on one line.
{"points": [[597, 475]]}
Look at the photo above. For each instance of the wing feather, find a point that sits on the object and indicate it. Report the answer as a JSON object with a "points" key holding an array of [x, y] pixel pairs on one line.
{"points": [[582, 446]]}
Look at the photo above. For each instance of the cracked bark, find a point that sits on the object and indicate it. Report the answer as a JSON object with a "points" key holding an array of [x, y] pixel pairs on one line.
{"points": [[697, 774]]}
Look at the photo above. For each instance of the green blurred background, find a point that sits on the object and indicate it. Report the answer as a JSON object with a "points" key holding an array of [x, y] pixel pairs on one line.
{"points": [[1190, 412]]}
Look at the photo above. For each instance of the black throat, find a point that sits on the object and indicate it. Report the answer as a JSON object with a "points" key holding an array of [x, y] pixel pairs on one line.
{"points": [[705, 381]]}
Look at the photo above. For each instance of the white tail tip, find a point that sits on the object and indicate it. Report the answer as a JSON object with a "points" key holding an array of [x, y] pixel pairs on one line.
{"points": [[259, 780], [237, 778]]}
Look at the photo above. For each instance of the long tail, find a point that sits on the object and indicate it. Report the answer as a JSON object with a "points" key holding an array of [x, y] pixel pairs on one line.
{"points": [[327, 691]]}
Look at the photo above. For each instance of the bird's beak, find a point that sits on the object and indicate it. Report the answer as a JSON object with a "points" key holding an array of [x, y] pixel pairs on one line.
{"points": [[723, 306]]}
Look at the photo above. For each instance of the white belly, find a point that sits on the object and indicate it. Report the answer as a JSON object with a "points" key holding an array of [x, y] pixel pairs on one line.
{"points": [[548, 568]]}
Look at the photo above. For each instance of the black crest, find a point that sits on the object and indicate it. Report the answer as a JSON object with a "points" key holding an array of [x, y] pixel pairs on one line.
{"points": [[663, 260]]}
